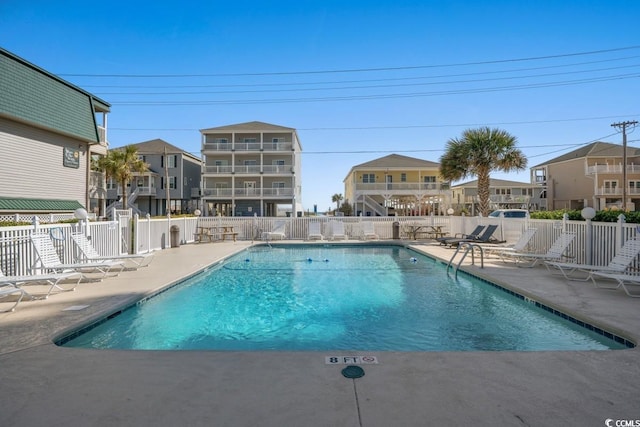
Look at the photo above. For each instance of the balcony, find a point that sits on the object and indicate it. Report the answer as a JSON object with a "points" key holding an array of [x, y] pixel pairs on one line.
{"points": [[102, 136], [248, 146], [97, 181], [277, 169], [247, 170], [612, 169], [399, 187], [616, 191], [218, 169], [216, 146], [248, 192], [146, 191]]}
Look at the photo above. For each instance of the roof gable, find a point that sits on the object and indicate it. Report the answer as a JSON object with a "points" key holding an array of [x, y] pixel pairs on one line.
{"points": [[595, 149], [254, 126], [397, 161]]}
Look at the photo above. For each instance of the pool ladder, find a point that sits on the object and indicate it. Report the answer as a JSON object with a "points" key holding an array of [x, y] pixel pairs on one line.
{"points": [[469, 247]]}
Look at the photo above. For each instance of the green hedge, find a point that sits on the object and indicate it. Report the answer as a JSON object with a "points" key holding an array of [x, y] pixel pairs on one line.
{"points": [[602, 216]]}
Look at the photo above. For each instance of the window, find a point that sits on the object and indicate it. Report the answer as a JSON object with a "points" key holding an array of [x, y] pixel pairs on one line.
{"points": [[527, 191], [276, 140], [278, 163], [142, 157], [610, 186], [403, 177], [503, 191], [249, 140], [173, 182], [250, 162], [429, 179], [221, 162], [368, 178], [172, 161], [634, 186], [221, 141], [111, 184], [277, 185]]}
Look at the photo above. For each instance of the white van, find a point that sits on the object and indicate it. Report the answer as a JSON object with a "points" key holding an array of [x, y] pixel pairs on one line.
{"points": [[509, 213]]}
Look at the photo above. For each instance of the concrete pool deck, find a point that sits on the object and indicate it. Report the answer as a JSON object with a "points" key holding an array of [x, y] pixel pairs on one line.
{"points": [[43, 384]]}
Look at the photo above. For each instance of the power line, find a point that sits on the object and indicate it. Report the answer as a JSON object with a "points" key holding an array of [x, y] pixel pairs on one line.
{"points": [[355, 70], [378, 96], [381, 86], [403, 126], [289, 83]]}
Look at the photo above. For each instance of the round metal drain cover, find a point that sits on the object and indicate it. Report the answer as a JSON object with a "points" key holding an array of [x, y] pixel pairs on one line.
{"points": [[353, 371]]}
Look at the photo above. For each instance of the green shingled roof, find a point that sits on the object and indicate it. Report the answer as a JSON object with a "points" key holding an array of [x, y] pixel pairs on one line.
{"points": [[19, 205], [33, 95]]}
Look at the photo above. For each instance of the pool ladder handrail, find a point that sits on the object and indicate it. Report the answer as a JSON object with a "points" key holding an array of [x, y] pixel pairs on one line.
{"points": [[469, 247]]}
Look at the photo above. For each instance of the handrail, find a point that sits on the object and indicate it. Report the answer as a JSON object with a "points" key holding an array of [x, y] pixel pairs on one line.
{"points": [[470, 246]]}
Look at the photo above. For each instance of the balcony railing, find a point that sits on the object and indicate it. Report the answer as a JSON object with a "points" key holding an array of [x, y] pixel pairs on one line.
{"points": [[249, 169], [146, 191], [102, 135], [612, 169], [248, 146], [97, 181], [217, 146], [218, 169], [248, 192], [617, 191], [287, 169], [399, 186], [252, 169]]}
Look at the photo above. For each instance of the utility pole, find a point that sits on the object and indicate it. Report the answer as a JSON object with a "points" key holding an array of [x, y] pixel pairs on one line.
{"points": [[623, 126]]}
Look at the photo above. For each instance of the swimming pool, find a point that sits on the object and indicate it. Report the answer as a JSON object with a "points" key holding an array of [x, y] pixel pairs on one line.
{"points": [[337, 297]]}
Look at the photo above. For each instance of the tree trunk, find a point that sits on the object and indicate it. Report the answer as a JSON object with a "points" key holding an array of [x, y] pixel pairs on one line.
{"points": [[483, 192]]}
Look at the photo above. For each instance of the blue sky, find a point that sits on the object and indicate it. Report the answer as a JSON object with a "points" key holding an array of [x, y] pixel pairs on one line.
{"points": [[359, 80]]}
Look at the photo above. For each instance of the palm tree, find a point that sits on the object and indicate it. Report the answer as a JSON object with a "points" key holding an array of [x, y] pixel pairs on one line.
{"points": [[337, 198], [120, 164], [477, 153]]}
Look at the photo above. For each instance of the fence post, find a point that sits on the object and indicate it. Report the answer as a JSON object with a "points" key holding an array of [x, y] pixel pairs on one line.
{"points": [[620, 231]]}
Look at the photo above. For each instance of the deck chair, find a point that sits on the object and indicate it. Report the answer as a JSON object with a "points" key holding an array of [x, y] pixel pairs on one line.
{"points": [[87, 253], [475, 233], [315, 231], [519, 246], [618, 264], [53, 280], [368, 231], [555, 252], [277, 231], [485, 237], [623, 279], [47, 260], [337, 230], [7, 290]]}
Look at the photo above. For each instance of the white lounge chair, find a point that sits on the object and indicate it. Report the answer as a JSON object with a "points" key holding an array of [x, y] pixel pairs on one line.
{"points": [[278, 231], [8, 289], [337, 230], [368, 231], [623, 279], [47, 260], [555, 252], [519, 246], [13, 284], [618, 264], [89, 254], [315, 231]]}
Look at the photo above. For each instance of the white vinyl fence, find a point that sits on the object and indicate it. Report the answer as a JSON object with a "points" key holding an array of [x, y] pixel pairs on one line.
{"points": [[596, 242]]}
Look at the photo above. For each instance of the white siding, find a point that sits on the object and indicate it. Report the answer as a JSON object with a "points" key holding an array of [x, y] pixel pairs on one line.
{"points": [[32, 164]]}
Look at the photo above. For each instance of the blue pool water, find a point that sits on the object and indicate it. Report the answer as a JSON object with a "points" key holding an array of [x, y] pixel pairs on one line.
{"points": [[374, 298]]}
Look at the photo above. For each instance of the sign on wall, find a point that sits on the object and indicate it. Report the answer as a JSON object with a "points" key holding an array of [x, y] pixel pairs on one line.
{"points": [[71, 158]]}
